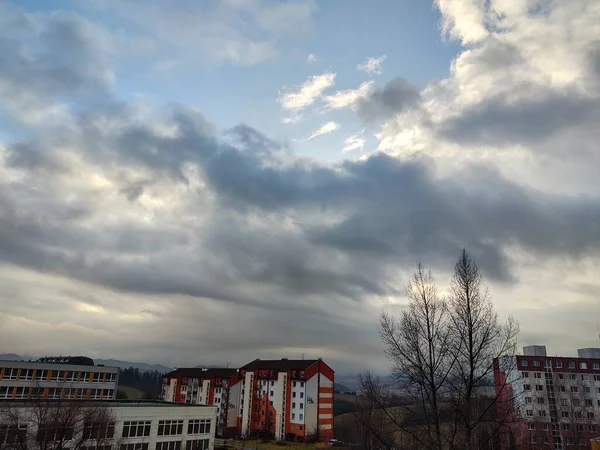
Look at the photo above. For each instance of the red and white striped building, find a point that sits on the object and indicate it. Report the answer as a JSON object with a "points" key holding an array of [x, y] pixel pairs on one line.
{"points": [[284, 398]]}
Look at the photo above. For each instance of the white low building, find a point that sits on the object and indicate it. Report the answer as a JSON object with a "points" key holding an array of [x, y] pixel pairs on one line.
{"points": [[112, 425]]}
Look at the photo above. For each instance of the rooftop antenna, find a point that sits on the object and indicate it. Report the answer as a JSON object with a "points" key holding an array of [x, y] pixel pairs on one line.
{"points": [[302, 356]]}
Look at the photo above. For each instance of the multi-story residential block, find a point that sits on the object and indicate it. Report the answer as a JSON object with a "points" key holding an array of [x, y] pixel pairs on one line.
{"points": [[59, 377], [128, 425], [555, 401], [200, 386], [286, 399]]}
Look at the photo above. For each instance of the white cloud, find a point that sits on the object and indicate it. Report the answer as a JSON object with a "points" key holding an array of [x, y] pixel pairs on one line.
{"points": [[308, 92], [347, 97], [327, 128], [311, 58], [372, 66], [464, 20], [354, 142], [294, 118]]}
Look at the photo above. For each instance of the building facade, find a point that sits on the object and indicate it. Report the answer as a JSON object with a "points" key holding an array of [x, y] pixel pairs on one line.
{"points": [[60, 377], [129, 425], [286, 399], [198, 386], [555, 401]]}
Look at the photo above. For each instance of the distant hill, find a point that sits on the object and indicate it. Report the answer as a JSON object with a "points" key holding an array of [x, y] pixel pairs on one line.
{"points": [[338, 387], [10, 357], [142, 367]]}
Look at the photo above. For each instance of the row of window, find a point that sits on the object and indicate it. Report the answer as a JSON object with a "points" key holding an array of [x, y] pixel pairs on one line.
{"points": [[561, 376], [10, 392], [166, 427], [592, 427], [194, 444], [56, 375], [561, 388], [568, 441], [564, 414], [559, 364], [564, 401]]}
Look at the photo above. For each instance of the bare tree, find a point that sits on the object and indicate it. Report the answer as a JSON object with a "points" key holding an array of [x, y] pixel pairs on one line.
{"points": [[478, 337], [418, 344], [58, 424]]}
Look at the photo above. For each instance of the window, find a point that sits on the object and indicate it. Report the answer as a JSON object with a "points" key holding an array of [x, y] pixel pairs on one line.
{"points": [[84, 377], [571, 365], [70, 393], [293, 394], [26, 374], [569, 441], [539, 387], [593, 428], [572, 376], [71, 376], [558, 364], [12, 434], [199, 426], [542, 412], [54, 393], [537, 375], [574, 389], [524, 363], [197, 444], [10, 374], [301, 405], [579, 427], [272, 393], [536, 364], [529, 413], [596, 366], [566, 427], [302, 384], [590, 415], [596, 377], [136, 428], [583, 366], [301, 417], [527, 387], [545, 426], [98, 377], [564, 414], [272, 383], [108, 393], [53, 432], [563, 402], [561, 389], [294, 384], [579, 415], [527, 399], [96, 394], [110, 377], [293, 416], [169, 445], [41, 375], [170, 427], [293, 404], [531, 425], [58, 375], [587, 389], [22, 392], [525, 374], [138, 446], [5, 392], [585, 377], [99, 430], [541, 400], [301, 394], [561, 376]]}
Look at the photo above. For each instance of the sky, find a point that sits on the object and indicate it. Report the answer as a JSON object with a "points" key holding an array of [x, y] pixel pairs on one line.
{"points": [[210, 182]]}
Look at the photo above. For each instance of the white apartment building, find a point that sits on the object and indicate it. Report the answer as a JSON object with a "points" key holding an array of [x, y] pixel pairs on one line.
{"points": [[131, 425], [60, 377]]}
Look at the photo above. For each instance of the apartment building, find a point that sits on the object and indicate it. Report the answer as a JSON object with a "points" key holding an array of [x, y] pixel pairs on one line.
{"points": [[200, 386], [129, 425], [57, 377], [555, 400], [287, 399]]}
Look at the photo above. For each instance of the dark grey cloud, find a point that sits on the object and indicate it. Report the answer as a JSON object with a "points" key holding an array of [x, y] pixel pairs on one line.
{"points": [[536, 117], [381, 104]]}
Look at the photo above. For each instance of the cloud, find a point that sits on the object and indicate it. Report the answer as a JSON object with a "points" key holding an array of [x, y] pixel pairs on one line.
{"points": [[381, 104], [311, 58], [348, 97], [354, 142], [306, 94], [108, 205], [372, 66], [327, 128]]}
